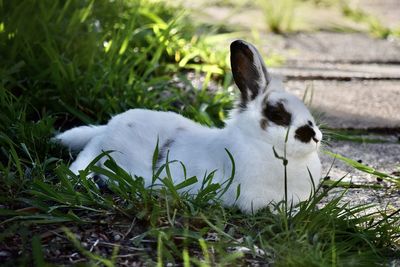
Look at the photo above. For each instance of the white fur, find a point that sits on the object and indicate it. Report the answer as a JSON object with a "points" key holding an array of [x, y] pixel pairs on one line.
{"points": [[133, 134]]}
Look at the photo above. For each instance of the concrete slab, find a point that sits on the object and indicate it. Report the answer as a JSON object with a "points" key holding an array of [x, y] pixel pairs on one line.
{"points": [[385, 200], [250, 16], [320, 33], [353, 104], [382, 157], [332, 47], [387, 11], [338, 71]]}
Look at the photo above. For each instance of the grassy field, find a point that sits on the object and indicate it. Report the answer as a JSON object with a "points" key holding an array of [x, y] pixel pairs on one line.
{"points": [[67, 63]]}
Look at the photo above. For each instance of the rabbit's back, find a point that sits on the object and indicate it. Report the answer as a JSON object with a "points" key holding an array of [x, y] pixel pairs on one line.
{"points": [[133, 137]]}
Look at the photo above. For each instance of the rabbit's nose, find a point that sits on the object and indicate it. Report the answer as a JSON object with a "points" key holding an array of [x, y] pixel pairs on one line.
{"points": [[318, 136]]}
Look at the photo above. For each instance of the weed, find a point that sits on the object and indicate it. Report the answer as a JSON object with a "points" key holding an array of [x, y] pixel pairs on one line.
{"points": [[278, 15], [375, 26]]}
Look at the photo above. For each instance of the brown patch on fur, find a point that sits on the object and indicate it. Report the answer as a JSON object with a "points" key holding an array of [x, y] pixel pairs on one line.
{"points": [[304, 133], [163, 151], [277, 113], [263, 123]]}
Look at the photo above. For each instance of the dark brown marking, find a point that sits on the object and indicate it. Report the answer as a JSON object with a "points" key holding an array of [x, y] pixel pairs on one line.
{"points": [[163, 151], [130, 124], [277, 114], [304, 133], [263, 123]]}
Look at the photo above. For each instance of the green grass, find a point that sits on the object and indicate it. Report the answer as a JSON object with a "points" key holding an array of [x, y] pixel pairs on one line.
{"points": [[67, 63], [279, 15], [360, 135], [376, 28], [288, 16], [179, 226]]}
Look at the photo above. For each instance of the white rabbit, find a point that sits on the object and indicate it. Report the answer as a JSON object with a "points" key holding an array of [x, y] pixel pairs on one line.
{"points": [[264, 117]]}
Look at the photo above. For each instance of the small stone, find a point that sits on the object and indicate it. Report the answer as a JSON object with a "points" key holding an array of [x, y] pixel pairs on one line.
{"points": [[396, 173], [117, 237], [5, 254]]}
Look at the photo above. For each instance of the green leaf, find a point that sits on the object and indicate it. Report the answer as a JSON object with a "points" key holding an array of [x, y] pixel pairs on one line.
{"points": [[37, 251], [363, 168], [186, 183]]}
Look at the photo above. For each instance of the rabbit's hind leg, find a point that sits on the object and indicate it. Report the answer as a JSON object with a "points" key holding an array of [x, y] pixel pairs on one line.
{"points": [[87, 155]]}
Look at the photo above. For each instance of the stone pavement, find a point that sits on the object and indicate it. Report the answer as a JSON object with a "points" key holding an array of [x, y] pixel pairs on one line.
{"points": [[358, 104], [386, 11], [355, 79], [383, 157], [333, 47]]}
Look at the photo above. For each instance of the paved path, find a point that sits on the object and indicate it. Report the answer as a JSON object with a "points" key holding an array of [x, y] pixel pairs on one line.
{"points": [[352, 104], [355, 79], [383, 157], [386, 11], [334, 47], [338, 71]]}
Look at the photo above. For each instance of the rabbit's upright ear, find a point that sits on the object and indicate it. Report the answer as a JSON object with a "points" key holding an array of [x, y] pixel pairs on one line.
{"points": [[249, 71]]}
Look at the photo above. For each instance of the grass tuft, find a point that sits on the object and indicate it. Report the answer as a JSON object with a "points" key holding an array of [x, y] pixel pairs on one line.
{"points": [[279, 15], [375, 27]]}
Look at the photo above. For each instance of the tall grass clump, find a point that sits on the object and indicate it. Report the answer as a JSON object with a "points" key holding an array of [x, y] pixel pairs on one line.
{"points": [[279, 15], [73, 62], [92, 58], [375, 26]]}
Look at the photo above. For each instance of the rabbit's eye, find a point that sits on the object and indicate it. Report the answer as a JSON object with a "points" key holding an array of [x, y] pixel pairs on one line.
{"points": [[304, 133], [278, 114]]}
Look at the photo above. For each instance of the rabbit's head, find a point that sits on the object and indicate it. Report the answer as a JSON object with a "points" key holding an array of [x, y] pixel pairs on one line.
{"points": [[265, 111]]}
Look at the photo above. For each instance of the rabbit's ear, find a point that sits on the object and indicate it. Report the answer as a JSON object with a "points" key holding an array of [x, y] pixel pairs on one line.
{"points": [[249, 71]]}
